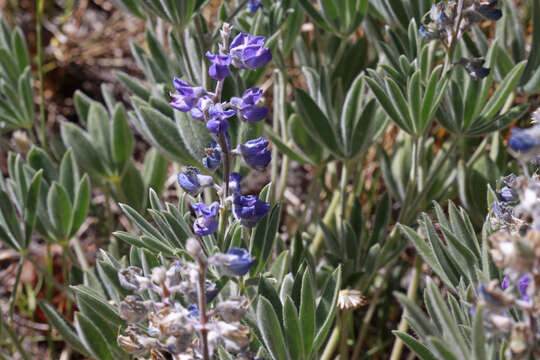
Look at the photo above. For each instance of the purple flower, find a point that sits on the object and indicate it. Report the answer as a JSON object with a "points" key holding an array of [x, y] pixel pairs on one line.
{"points": [[187, 96], [255, 153], [520, 140], [425, 33], [523, 285], [213, 157], [211, 291], [193, 311], [249, 209], [507, 194], [219, 69], [192, 181], [218, 119], [238, 263], [203, 105], [234, 183], [254, 5], [488, 11], [474, 67], [206, 223], [247, 51], [246, 105]]}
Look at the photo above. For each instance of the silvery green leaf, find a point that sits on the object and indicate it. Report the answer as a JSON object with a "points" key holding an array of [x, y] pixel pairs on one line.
{"points": [[307, 312], [293, 332], [81, 203], [155, 170], [92, 338], [69, 174], [326, 308], [317, 124], [420, 350], [270, 328], [59, 208], [64, 327], [122, 141]]}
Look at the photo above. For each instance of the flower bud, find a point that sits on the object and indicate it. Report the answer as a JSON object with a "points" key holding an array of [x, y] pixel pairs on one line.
{"points": [[236, 262], [158, 276], [255, 153], [132, 279], [193, 248], [233, 309]]}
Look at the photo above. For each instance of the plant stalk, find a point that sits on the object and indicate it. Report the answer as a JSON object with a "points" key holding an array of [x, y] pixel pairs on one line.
{"points": [[203, 316], [39, 46], [411, 294]]}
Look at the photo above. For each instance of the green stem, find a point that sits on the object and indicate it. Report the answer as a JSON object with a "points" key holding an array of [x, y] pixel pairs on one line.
{"points": [[79, 252], [366, 321], [15, 288], [39, 46], [343, 188], [411, 294], [343, 346], [285, 162], [332, 343], [13, 336], [317, 241]]}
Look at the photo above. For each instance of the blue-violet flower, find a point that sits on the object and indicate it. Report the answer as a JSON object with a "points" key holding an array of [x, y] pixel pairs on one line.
{"points": [[234, 183], [213, 157], [206, 223], [249, 209], [255, 153], [247, 51], [219, 69], [235, 262], [254, 5], [218, 119], [247, 107], [192, 181], [187, 96]]}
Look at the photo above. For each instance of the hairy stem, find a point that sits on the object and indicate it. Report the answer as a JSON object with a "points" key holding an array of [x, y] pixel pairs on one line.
{"points": [[39, 52], [15, 288], [203, 316], [411, 294]]}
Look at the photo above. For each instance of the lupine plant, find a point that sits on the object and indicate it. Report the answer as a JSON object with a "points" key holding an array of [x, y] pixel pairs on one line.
{"points": [[285, 180]]}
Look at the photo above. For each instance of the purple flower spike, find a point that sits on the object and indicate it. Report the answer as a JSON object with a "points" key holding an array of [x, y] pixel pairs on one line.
{"points": [[219, 69], [247, 51], [239, 261], [247, 105], [254, 5], [249, 209], [256, 153], [187, 96], [206, 223]]}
